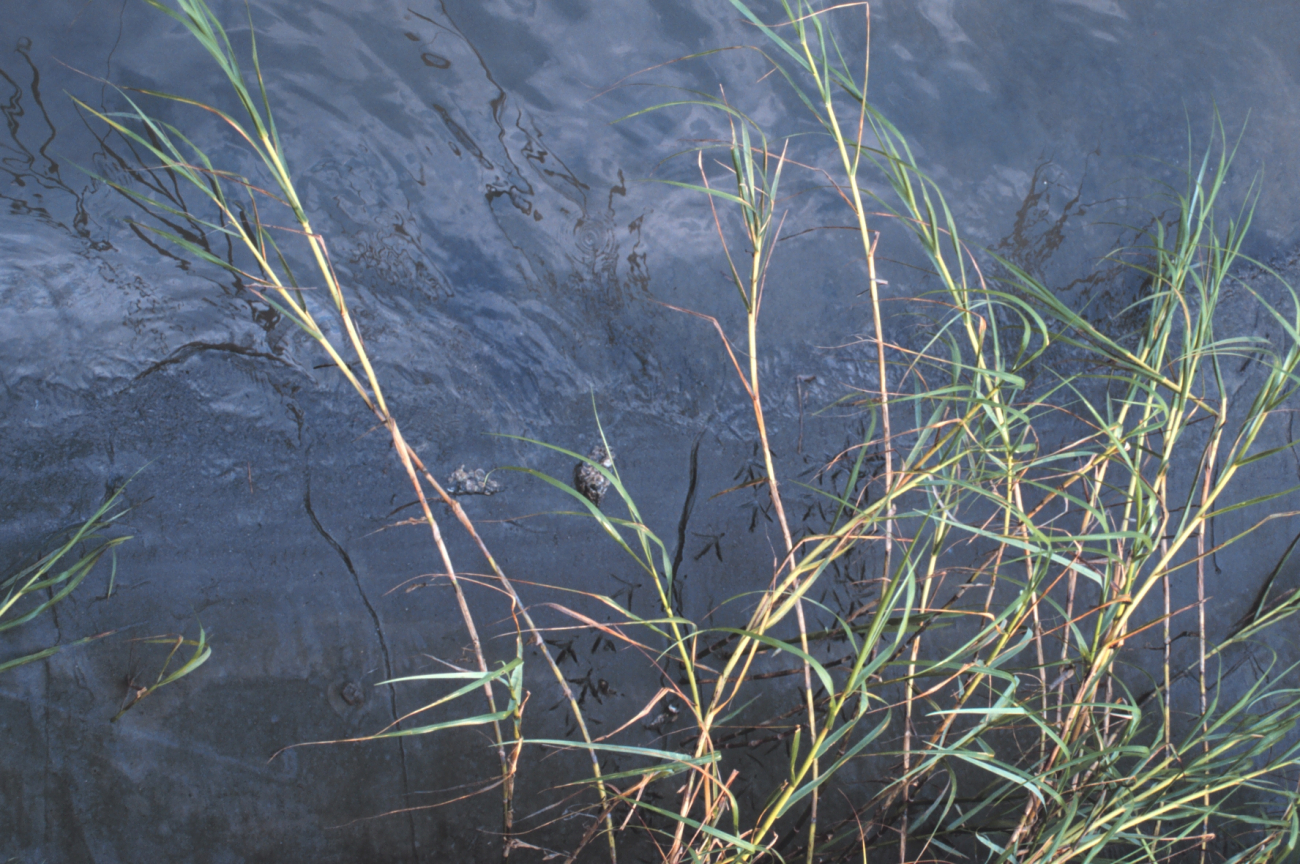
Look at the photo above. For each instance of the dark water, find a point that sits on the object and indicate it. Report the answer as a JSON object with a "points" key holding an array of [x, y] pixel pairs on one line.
{"points": [[506, 255]]}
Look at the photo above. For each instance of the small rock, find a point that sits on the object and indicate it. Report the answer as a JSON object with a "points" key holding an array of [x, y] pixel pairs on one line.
{"points": [[590, 482], [476, 482]]}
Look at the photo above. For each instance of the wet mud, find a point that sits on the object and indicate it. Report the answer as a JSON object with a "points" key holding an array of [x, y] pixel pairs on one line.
{"points": [[510, 265]]}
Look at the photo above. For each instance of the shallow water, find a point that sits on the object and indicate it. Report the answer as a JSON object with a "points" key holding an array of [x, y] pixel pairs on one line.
{"points": [[506, 254]]}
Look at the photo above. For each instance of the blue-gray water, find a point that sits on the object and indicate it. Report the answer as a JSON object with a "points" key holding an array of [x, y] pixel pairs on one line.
{"points": [[506, 256]]}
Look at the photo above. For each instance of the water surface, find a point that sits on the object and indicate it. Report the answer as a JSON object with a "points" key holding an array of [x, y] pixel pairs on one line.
{"points": [[509, 257]]}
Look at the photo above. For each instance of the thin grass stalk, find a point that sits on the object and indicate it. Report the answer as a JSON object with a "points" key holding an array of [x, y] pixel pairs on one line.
{"points": [[761, 212], [758, 235], [1166, 664], [851, 166], [1200, 642], [535, 637]]}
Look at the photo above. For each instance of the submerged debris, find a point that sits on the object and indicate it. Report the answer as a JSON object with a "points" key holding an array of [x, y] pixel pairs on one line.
{"points": [[353, 694], [476, 482], [664, 720], [590, 482]]}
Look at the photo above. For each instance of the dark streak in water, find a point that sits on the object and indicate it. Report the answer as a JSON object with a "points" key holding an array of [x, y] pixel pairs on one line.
{"points": [[462, 136], [22, 167], [25, 45], [185, 352], [379, 634], [108, 61], [687, 506]]}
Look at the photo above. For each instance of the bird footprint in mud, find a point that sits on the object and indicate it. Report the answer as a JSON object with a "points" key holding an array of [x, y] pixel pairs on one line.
{"points": [[590, 482], [598, 688]]}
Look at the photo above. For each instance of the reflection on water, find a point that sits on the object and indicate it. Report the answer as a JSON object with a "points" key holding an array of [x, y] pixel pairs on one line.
{"points": [[33, 179], [501, 223]]}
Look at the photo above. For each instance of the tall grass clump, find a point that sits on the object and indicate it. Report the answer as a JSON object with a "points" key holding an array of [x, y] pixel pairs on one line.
{"points": [[986, 701]]}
